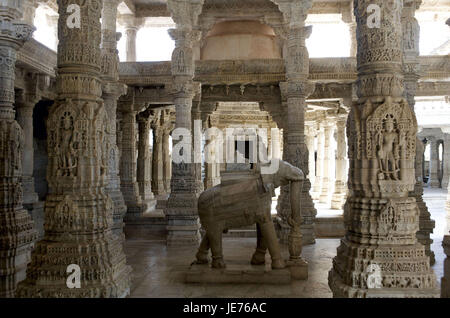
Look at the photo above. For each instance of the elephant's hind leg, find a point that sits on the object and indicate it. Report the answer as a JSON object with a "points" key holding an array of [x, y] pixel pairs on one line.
{"points": [[215, 241], [202, 254], [259, 257], [270, 238]]}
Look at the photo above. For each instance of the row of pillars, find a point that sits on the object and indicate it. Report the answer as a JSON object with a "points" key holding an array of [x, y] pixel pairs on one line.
{"points": [[320, 169]]}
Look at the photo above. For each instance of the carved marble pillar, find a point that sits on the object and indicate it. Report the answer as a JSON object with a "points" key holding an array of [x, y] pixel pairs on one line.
{"points": [[157, 160], [167, 159], [132, 26], [78, 211], [297, 89], [328, 128], [411, 69], [111, 91], [24, 107], [340, 186], [17, 232], [446, 161], [379, 255], [52, 22], [317, 189], [183, 222], [349, 18], [310, 133], [434, 164], [144, 162], [29, 11], [128, 163]]}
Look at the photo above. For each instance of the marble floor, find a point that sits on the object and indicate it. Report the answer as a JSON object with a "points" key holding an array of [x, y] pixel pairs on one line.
{"points": [[158, 271]]}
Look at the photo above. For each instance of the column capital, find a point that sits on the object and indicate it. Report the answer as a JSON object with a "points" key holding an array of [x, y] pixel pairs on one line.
{"points": [[185, 13], [130, 22]]}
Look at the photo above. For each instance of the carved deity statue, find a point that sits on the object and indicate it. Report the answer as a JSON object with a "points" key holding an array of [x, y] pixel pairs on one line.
{"points": [[389, 150], [67, 160]]}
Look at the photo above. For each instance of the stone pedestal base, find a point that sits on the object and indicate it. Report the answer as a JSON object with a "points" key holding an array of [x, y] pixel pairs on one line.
{"points": [[237, 273], [298, 269], [445, 282], [330, 227], [36, 210]]}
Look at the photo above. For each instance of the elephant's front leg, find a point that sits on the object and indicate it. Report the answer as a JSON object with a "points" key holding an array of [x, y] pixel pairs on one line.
{"points": [[270, 239], [202, 254], [259, 257], [215, 241]]}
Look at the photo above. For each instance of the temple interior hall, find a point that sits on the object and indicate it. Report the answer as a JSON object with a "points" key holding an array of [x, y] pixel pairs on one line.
{"points": [[225, 148]]}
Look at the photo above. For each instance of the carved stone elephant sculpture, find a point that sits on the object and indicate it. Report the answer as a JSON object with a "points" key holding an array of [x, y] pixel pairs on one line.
{"points": [[243, 203]]}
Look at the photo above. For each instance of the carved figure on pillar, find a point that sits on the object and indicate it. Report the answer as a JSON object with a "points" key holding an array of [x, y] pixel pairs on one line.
{"points": [[381, 218], [78, 211]]}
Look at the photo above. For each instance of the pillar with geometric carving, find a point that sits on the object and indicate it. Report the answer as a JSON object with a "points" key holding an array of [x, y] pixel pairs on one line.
{"points": [[25, 103], [297, 89], [128, 159], [111, 91], [183, 222], [434, 163], [144, 160], [167, 158], [328, 128], [317, 188], [379, 255], [340, 186], [78, 211], [310, 134], [157, 160], [17, 232], [131, 25]]}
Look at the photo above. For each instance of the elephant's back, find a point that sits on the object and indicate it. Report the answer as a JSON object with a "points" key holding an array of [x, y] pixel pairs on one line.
{"points": [[234, 198]]}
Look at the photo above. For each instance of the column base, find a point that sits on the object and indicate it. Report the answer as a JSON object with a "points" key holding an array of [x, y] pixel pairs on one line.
{"points": [[183, 231], [325, 193], [385, 268], [337, 201], [445, 282], [341, 290]]}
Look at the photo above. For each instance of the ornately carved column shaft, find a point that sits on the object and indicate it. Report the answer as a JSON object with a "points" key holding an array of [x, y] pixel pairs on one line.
{"points": [[112, 90], [340, 187], [183, 222], [17, 232], [434, 164], [317, 189], [24, 109], [310, 137], [167, 160], [158, 165], [380, 255], [144, 163], [327, 159], [78, 211], [296, 90], [128, 166]]}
